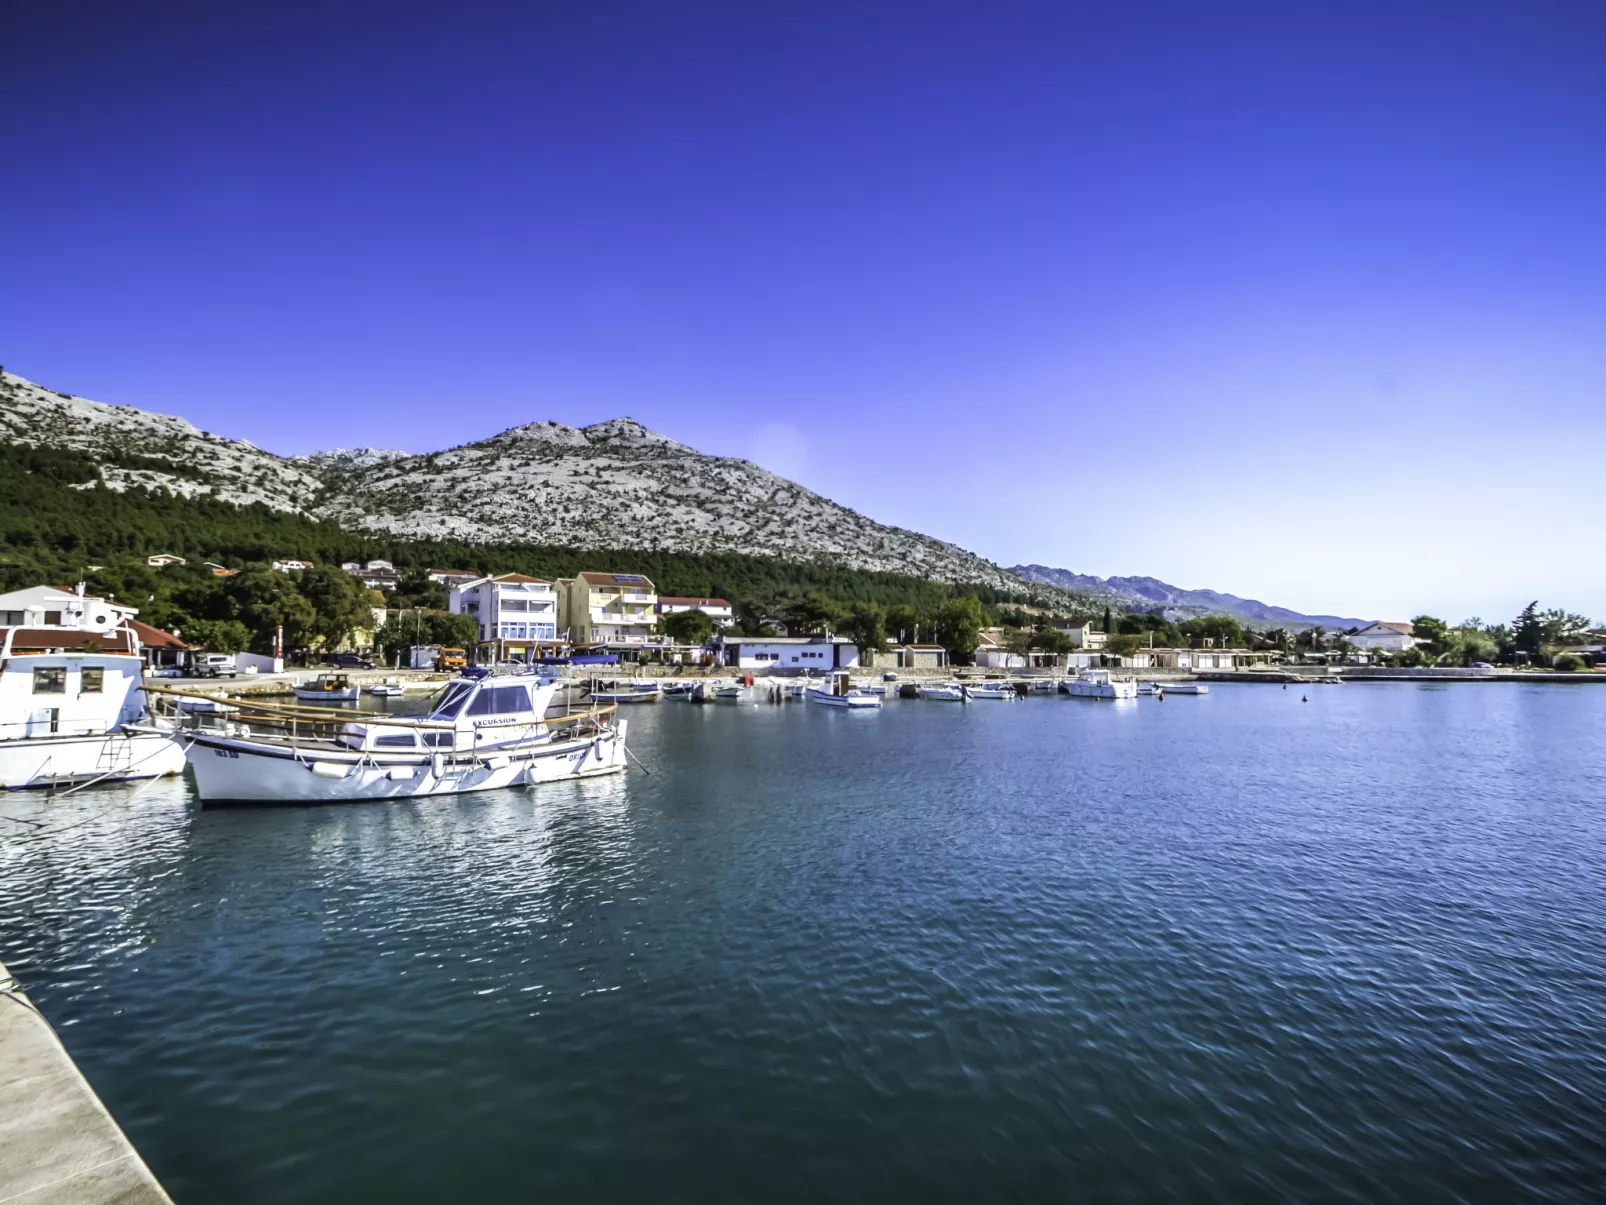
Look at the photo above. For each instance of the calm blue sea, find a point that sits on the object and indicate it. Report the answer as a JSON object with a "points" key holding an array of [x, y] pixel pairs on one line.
{"points": [[1236, 948]]}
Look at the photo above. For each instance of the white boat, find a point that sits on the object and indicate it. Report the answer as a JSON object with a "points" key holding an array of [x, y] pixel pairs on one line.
{"points": [[946, 692], [625, 692], [990, 690], [838, 692], [876, 690], [1149, 688], [328, 688], [1186, 688], [1043, 686], [1098, 684], [482, 735], [728, 692], [678, 690], [386, 690], [71, 710]]}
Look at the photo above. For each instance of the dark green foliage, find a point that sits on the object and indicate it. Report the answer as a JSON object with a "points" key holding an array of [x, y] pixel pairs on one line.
{"points": [[1569, 663], [689, 627], [1527, 632]]}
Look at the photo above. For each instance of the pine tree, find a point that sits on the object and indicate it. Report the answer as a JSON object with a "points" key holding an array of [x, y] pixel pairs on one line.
{"points": [[1527, 631]]}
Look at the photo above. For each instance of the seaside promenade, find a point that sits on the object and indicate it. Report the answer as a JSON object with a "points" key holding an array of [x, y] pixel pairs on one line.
{"points": [[58, 1143]]}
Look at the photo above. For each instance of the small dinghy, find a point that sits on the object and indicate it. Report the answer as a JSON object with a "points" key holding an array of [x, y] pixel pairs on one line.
{"points": [[386, 690], [990, 690], [947, 692]]}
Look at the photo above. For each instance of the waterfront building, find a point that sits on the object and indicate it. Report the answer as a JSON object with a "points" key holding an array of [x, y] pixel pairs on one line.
{"points": [[908, 656], [51, 606], [607, 608], [1082, 635], [376, 575], [160, 649], [1207, 658], [517, 615], [717, 609], [1384, 637], [791, 654], [992, 653]]}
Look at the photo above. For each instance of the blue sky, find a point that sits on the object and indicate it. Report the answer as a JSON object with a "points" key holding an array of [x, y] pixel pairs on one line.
{"points": [[1306, 303]]}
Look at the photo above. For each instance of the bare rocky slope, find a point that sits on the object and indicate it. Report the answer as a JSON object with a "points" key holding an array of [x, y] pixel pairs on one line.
{"points": [[612, 485], [1149, 594]]}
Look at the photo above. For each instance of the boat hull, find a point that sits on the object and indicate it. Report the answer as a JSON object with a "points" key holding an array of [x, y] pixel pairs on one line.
{"points": [[48, 761], [327, 696], [853, 702], [235, 770], [1100, 690]]}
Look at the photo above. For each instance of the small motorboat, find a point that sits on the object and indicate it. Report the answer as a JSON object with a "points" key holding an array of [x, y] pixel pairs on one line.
{"points": [[946, 692], [328, 688], [1149, 688], [728, 692], [1043, 686], [625, 692], [838, 692], [1098, 684], [386, 690], [1186, 688], [678, 690], [990, 690]]}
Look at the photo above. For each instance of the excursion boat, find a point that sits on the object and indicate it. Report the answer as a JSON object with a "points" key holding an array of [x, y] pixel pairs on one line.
{"points": [[625, 692], [947, 692], [838, 692], [328, 688], [71, 710], [1098, 684], [482, 735], [990, 690]]}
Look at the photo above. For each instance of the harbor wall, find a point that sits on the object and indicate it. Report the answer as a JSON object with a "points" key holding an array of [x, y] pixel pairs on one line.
{"points": [[58, 1143]]}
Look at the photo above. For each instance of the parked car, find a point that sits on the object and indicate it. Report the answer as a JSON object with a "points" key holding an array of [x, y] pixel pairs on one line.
{"points": [[349, 661], [214, 665]]}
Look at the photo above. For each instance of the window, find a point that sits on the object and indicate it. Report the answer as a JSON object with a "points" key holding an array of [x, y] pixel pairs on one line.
{"points": [[53, 619], [394, 740], [50, 681], [11, 619], [453, 702], [91, 680], [515, 604], [500, 700], [436, 740]]}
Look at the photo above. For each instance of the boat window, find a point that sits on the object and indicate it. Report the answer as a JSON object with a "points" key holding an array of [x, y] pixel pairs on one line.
{"points": [[91, 680], [500, 700], [50, 681], [453, 702], [436, 739], [394, 740]]}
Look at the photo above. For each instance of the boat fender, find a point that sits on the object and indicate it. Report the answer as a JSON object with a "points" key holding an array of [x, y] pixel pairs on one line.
{"points": [[437, 765], [399, 773], [500, 762], [330, 769]]}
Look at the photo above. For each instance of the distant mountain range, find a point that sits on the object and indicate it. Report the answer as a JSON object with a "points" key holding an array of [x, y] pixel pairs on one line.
{"points": [[614, 484], [1149, 594]]}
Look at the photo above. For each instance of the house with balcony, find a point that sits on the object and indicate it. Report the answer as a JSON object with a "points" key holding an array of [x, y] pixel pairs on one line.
{"points": [[52, 607], [517, 615], [376, 575], [1082, 635], [717, 609], [608, 608], [1384, 637]]}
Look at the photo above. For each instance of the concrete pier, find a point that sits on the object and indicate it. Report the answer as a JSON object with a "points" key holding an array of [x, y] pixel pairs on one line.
{"points": [[58, 1144]]}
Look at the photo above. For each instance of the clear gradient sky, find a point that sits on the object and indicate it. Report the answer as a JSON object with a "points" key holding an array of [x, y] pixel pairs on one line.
{"points": [[1303, 302]]}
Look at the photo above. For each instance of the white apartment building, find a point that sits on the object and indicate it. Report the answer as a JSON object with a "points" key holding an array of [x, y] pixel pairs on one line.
{"points": [[1384, 637], [607, 608], [717, 609], [515, 610]]}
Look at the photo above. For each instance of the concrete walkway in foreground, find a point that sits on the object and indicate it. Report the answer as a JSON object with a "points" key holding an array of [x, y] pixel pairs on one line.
{"points": [[58, 1144]]}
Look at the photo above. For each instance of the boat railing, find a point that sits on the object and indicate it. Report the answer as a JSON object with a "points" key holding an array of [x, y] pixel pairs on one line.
{"points": [[301, 721]]}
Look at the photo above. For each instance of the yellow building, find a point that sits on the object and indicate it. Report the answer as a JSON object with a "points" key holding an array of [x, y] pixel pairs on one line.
{"points": [[607, 608]]}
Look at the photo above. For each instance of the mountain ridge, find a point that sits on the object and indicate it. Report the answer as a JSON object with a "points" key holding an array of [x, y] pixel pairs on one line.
{"points": [[1147, 593]]}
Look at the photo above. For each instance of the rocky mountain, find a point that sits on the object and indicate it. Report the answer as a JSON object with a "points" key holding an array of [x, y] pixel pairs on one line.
{"points": [[1149, 593], [612, 485]]}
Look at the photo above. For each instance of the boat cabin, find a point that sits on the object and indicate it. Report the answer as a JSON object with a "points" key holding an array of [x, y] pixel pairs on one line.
{"points": [[67, 681], [482, 714]]}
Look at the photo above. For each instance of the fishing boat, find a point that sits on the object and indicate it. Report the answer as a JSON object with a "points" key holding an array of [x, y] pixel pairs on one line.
{"points": [[328, 688], [481, 735], [1098, 684], [71, 709], [678, 690], [386, 690], [625, 692], [945, 692], [838, 692], [990, 690]]}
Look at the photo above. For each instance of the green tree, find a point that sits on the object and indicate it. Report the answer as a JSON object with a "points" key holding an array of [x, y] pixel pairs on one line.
{"points": [[866, 626], [264, 599], [1106, 627], [341, 604], [904, 622], [958, 624], [1020, 643], [1123, 645], [689, 627], [1411, 658], [1434, 633], [1223, 629], [1527, 632], [812, 616], [1570, 663], [1052, 640], [216, 635]]}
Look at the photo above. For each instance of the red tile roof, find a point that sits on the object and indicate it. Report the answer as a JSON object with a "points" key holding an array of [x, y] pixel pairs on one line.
{"points": [[39, 639], [155, 638], [615, 579]]}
